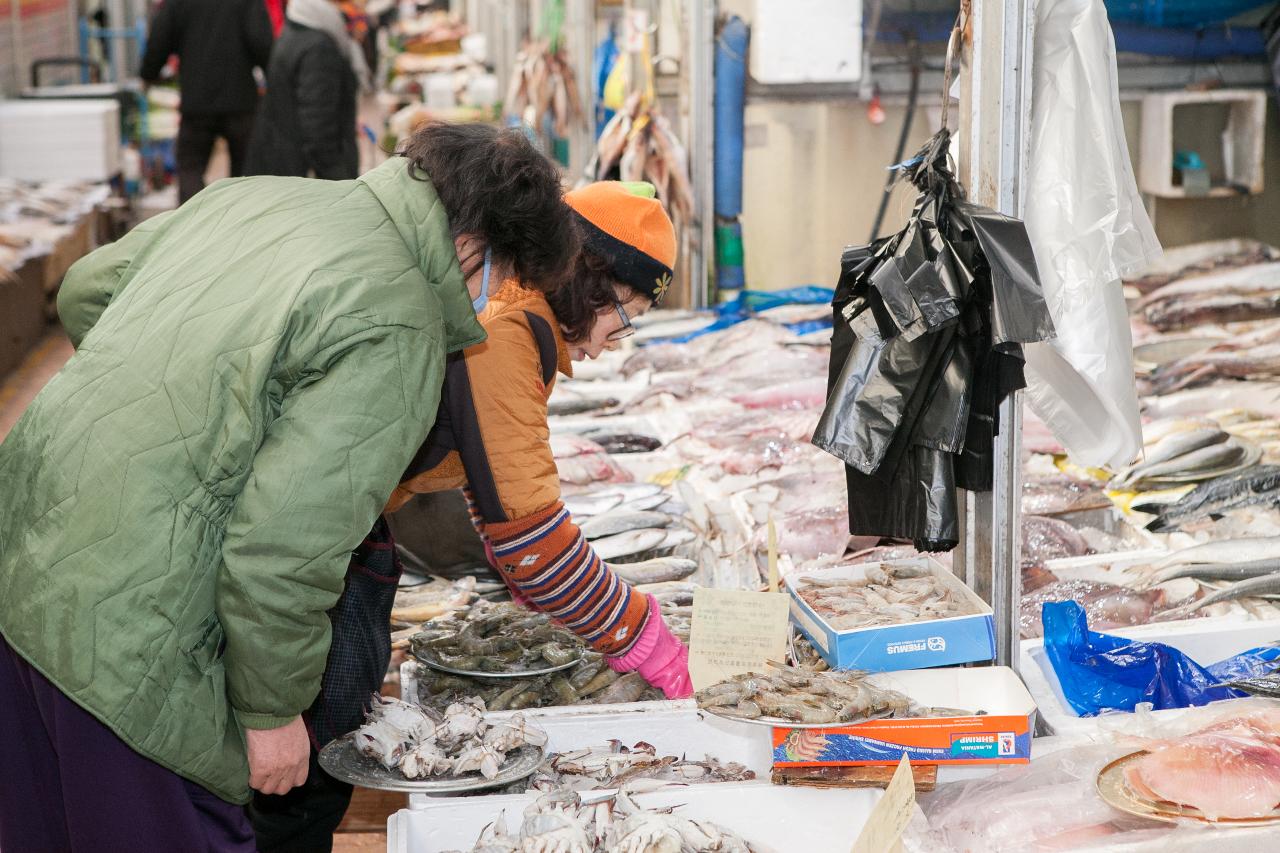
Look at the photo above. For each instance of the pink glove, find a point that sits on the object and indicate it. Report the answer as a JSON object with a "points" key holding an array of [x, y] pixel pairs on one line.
{"points": [[659, 657], [516, 594]]}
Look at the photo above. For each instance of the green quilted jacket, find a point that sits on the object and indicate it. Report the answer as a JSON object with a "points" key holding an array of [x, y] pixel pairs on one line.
{"points": [[253, 373]]}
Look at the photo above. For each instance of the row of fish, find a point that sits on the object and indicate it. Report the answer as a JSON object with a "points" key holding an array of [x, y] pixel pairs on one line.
{"points": [[420, 743]]}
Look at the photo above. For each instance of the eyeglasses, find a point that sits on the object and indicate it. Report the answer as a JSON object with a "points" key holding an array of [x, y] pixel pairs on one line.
{"points": [[627, 329]]}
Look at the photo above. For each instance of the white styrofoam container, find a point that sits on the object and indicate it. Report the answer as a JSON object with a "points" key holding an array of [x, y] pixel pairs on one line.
{"points": [[60, 140], [781, 819], [1206, 641], [681, 731], [806, 41]]}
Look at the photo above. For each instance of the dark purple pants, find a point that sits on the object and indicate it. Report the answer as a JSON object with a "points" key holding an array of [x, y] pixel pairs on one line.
{"points": [[67, 783]]}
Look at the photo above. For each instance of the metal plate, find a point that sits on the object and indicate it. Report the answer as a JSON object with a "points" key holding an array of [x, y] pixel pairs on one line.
{"points": [[1252, 453], [779, 723], [524, 673], [341, 760], [1115, 792]]}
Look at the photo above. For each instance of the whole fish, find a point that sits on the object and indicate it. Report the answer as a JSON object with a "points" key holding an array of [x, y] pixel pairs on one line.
{"points": [[1205, 459], [1262, 685], [1215, 571], [620, 521], [628, 688], [626, 442], [678, 593], [1171, 447], [1256, 587], [1157, 431], [579, 406], [1257, 485], [657, 570], [645, 504], [632, 492], [1224, 551], [590, 504], [631, 542]]}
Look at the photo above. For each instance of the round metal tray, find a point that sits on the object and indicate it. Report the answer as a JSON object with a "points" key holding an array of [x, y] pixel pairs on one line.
{"points": [[524, 673], [1115, 792], [779, 723], [341, 760]]}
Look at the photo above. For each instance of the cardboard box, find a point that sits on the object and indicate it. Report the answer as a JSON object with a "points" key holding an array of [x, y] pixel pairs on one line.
{"points": [[1001, 735], [910, 645]]}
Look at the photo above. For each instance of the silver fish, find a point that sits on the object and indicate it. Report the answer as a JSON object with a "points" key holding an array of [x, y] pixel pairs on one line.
{"points": [[620, 521], [644, 504], [588, 505], [1204, 459], [1224, 551], [632, 491], [631, 542], [656, 571], [1263, 585], [1216, 571], [1172, 447]]}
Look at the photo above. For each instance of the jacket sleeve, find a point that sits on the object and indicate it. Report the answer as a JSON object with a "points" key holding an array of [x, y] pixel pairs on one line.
{"points": [[323, 471], [498, 412], [162, 40], [97, 278], [319, 78], [258, 36]]}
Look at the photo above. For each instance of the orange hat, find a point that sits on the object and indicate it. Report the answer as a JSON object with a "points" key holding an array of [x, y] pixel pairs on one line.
{"points": [[626, 226]]}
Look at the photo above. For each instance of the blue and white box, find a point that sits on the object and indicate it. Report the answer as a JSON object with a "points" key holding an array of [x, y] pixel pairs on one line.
{"points": [[910, 645]]}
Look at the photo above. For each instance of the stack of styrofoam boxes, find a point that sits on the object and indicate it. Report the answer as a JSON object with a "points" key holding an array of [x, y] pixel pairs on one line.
{"points": [[60, 140]]}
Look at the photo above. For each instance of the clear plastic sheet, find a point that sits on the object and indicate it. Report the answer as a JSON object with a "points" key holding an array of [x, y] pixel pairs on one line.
{"points": [[1086, 221], [1102, 672]]}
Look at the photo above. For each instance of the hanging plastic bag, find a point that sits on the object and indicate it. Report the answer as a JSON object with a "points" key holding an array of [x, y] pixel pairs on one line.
{"points": [[1085, 218], [1103, 672]]}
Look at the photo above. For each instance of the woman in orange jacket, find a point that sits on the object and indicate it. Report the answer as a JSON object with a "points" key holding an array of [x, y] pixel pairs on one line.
{"points": [[491, 436]]}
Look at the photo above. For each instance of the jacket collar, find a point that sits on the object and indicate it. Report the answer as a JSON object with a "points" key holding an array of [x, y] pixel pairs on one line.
{"points": [[514, 296], [417, 214]]}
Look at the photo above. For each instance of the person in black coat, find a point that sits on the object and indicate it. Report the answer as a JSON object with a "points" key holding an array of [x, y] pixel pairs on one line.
{"points": [[307, 123], [218, 44]]}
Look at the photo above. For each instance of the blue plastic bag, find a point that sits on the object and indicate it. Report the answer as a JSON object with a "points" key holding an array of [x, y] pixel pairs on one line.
{"points": [[1103, 672]]}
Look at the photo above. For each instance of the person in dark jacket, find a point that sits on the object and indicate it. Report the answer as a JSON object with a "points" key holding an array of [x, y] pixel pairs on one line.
{"points": [[218, 44], [307, 125]]}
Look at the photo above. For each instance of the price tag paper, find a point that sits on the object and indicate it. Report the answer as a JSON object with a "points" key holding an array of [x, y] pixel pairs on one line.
{"points": [[735, 631], [883, 832]]}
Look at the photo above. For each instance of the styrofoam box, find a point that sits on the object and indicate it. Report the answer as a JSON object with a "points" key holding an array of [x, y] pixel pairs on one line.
{"points": [[781, 819], [909, 645], [682, 731], [60, 140], [1206, 641]]}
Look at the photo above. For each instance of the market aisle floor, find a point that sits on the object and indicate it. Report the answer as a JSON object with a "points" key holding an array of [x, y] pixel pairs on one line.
{"points": [[364, 828]]}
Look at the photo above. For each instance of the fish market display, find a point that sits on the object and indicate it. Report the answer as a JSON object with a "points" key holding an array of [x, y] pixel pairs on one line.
{"points": [[1263, 685], [1059, 494], [1260, 585], [1228, 769], [420, 744], [626, 442], [657, 570], [800, 696], [433, 599], [497, 638], [1045, 539], [1259, 485], [591, 682], [885, 595], [1233, 295], [613, 765], [559, 822]]}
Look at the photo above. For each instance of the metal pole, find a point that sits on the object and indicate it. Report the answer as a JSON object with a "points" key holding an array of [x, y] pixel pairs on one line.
{"points": [[700, 56], [20, 69], [995, 108]]}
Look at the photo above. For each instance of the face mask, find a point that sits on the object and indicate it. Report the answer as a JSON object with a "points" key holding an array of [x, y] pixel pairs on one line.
{"points": [[483, 299]]}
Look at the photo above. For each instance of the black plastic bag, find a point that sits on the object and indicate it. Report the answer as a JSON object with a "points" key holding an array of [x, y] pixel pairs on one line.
{"points": [[929, 327]]}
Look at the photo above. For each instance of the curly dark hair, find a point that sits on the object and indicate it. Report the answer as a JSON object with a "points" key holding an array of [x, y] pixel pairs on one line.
{"points": [[494, 184], [590, 290]]}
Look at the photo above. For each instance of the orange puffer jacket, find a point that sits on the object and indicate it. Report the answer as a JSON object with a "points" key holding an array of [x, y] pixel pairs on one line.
{"points": [[491, 437]]}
